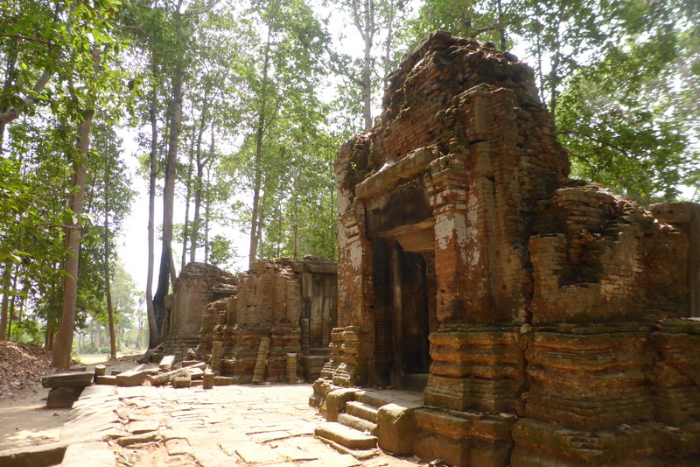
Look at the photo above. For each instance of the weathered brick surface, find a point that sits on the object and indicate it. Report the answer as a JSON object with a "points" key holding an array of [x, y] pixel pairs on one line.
{"points": [[194, 290], [272, 300], [558, 312]]}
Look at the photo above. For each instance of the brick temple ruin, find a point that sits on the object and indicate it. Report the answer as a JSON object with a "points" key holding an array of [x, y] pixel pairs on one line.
{"points": [[222, 319], [547, 321]]}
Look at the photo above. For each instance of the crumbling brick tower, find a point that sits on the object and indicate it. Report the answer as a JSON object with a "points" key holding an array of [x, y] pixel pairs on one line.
{"points": [[545, 314]]}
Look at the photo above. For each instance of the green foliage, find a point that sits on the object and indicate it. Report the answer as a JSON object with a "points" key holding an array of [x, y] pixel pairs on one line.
{"points": [[27, 331]]}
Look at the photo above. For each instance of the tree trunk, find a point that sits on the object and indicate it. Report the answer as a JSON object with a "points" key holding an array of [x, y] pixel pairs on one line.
{"points": [[367, 30], [198, 182], [188, 198], [6, 280], [259, 135], [64, 336], [167, 267], [389, 43], [108, 278], [207, 214], [63, 343], [153, 333]]}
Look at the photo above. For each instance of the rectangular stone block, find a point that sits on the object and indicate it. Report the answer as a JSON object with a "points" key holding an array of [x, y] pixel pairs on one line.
{"points": [[223, 380], [131, 378], [63, 397], [106, 379], [68, 380], [166, 363]]}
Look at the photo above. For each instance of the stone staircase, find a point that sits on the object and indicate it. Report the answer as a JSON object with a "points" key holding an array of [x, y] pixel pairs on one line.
{"points": [[354, 429]]}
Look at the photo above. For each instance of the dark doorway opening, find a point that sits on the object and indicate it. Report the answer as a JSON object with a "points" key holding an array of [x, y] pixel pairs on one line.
{"points": [[414, 318]]}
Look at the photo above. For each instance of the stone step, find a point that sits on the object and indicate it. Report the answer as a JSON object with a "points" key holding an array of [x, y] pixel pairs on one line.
{"points": [[372, 398], [362, 410], [359, 424], [345, 436]]}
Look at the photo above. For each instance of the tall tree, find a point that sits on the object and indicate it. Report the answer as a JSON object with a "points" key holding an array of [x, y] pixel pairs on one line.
{"points": [[292, 48]]}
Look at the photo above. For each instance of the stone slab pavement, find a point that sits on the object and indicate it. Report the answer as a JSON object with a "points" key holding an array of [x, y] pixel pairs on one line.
{"points": [[254, 425]]}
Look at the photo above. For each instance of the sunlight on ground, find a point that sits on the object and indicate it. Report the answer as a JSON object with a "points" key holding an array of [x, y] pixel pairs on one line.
{"points": [[95, 358]]}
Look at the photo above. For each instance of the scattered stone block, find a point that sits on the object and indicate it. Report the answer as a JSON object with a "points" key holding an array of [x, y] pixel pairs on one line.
{"points": [[196, 373], [183, 380], [66, 380], [106, 379], [208, 379], [223, 380], [77, 368], [63, 398], [167, 362], [165, 378], [131, 378]]}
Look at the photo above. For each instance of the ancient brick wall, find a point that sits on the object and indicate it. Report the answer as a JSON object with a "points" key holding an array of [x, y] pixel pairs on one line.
{"points": [[196, 287], [292, 303], [557, 313]]}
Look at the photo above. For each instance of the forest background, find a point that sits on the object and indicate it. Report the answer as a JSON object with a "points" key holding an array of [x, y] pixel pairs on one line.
{"points": [[233, 112]]}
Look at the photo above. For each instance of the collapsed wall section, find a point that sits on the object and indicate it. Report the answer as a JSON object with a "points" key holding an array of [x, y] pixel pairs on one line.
{"points": [[289, 304], [198, 285]]}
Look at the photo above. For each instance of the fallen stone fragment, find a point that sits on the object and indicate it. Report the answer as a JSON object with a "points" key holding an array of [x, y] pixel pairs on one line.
{"points": [[165, 378], [100, 370], [136, 439], [223, 380], [182, 381], [131, 378], [167, 362], [208, 379], [106, 379]]}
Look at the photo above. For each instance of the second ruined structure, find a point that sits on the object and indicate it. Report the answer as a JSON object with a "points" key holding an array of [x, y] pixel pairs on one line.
{"points": [[281, 316], [548, 322]]}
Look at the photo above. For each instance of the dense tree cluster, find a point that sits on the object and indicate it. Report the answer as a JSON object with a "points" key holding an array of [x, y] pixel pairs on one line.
{"points": [[240, 107]]}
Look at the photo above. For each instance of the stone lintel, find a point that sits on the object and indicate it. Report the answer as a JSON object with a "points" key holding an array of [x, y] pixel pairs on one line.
{"points": [[315, 267], [410, 165]]}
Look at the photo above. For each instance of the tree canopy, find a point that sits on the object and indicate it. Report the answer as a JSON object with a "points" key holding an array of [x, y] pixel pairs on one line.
{"points": [[235, 111]]}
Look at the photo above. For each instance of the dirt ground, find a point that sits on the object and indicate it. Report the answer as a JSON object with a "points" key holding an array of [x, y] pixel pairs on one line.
{"points": [[24, 418]]}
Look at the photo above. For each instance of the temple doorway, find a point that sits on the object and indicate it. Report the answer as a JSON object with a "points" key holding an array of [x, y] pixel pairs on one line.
{"points": [[413, 292]]}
